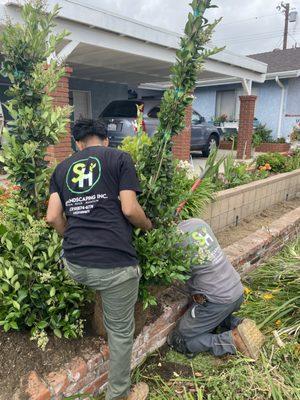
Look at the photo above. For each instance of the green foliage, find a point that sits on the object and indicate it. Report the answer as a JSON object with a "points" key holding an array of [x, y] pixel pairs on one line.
{"points": [[164, 185], [293, 161], [277, 161], [35, 292], [281, 140], [162, 254], [132, 144], [295, 135], [157, 160], [235, 173], [261, 135], [35, 123]]}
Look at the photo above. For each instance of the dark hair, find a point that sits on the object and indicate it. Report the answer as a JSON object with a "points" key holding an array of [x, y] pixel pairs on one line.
{"points": [[84, 128]]}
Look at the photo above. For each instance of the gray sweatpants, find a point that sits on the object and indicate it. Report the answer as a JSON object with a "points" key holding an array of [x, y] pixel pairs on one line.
{"points": [[119, 290], [198, 327]]}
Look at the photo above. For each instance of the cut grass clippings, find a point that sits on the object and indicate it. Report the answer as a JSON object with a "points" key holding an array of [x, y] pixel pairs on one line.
{"points": [[272, 299]]}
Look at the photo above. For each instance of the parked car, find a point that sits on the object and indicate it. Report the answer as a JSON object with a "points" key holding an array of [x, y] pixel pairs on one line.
{"points": [[120, 115]]}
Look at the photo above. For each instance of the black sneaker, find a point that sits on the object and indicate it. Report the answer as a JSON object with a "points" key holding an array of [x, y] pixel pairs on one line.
{"points": [[176, 341]]}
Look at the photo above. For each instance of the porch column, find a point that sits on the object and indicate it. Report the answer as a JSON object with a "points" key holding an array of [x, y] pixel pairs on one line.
{"points": [[63, 149], [245, 126], [182, 142]]}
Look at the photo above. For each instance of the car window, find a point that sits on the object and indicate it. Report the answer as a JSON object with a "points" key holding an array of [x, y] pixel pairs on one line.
{"points": [[196, 119], [154, 112], [124, 109]]}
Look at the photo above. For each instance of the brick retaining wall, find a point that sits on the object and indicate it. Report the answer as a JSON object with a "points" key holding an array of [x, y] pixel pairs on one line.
{"points": [[89, 375], [273, 148], [262, 148]]}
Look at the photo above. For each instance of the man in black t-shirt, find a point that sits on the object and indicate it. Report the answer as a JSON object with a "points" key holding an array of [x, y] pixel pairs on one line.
{"points": [[93, 205]]}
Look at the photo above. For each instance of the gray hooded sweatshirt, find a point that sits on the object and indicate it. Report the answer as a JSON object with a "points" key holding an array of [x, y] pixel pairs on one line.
{"points": [[215, 278]]}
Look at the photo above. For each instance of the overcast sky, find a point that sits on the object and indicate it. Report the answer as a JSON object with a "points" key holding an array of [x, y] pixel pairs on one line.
{"points": [[247, 27]]}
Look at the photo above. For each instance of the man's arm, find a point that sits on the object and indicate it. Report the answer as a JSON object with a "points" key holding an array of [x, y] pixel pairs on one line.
{"points": [[55, 214], [133, 211]]}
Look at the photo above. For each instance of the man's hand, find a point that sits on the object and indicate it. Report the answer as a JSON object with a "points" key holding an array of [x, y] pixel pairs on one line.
{"points": [[55, 214], [133, 211]]}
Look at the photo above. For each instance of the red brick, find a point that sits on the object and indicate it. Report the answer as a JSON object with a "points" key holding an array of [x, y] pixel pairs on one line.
{"points": [[58, 381], [181, 142], [61, 98], [97, 384], [95, 361], [247, 109], [105, 352], [36, 388], [77, 369]]}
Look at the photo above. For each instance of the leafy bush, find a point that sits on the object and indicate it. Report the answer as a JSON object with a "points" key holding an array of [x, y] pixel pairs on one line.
{"points": [[35, 291], [277, 161], [261, 135], [295, 135], [293, 161], [235, 174], [161, 256], [280, 140], [35, 124]]}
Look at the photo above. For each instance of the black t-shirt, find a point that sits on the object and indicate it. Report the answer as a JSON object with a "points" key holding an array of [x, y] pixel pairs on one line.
{"points": [[88, 183]]}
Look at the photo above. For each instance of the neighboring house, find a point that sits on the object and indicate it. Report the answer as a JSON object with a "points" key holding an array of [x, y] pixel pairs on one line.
{"points": [[278, 98]]}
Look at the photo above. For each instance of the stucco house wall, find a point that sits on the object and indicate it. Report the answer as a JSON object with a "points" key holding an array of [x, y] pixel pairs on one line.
{"points": [[267, 105], [102, 93]]}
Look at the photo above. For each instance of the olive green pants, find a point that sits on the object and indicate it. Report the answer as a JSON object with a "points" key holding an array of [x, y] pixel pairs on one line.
{"points": [[119, 290]]}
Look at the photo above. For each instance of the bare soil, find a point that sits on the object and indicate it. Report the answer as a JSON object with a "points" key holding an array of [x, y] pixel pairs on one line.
{"points": [[249, 225], [19, 355]]}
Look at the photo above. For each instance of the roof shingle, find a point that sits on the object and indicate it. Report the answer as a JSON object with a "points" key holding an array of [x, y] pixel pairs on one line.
{"points": [[280, 60]]}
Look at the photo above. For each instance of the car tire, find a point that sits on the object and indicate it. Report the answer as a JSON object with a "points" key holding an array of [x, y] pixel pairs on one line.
{"points": [[212, 141]]}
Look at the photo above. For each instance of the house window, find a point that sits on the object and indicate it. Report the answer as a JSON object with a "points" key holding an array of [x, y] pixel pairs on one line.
{"points": [[82, 104], [225, 103]]}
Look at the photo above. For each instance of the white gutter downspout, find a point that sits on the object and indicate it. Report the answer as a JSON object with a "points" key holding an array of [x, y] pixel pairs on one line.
{"points": [[281, 85]]}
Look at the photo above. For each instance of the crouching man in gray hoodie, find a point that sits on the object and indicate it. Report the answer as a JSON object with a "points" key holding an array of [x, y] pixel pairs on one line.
{"points": [[217, 292]]}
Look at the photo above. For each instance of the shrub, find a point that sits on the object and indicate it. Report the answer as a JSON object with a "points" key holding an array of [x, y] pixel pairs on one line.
{"points": [[235, 174], [280, 140], [295, 135], [162, 256], [293, 160], [35, 124], [34, 291], [276, 161], [261, 134]]}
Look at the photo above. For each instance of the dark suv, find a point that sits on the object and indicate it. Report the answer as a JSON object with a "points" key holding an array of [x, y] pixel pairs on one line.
{"points": [[120, 116]]}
